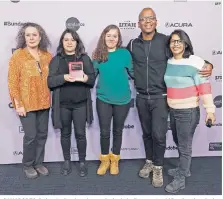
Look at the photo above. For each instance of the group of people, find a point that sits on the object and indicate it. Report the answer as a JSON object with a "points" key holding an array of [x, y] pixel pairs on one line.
{"points": [[168, 77]]}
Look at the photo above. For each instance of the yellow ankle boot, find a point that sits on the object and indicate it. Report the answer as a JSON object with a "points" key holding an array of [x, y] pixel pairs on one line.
{"points": [[104, 166], [114, 169]]}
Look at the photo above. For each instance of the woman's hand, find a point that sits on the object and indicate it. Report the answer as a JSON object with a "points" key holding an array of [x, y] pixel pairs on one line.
{"points": [[83, 79], [210, 116], [69, 78], [21, 111], [206, 71]]}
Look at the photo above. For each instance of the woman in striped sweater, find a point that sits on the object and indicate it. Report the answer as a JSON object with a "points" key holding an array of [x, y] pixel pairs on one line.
{"points": [[184, 88]]}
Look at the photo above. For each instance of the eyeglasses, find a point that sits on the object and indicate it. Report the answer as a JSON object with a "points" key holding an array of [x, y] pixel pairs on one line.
{"points": [[143, 19], [176, 42]]}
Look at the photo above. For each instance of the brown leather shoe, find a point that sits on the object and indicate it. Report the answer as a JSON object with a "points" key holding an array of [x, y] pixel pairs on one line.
{"points": [[42, 170]]}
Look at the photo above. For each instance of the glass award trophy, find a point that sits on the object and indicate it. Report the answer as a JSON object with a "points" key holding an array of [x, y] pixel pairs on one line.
{"points": [[76, 70]]}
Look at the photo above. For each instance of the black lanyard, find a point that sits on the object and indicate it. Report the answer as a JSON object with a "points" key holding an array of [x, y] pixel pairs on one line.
{"points": [[39, 67]]}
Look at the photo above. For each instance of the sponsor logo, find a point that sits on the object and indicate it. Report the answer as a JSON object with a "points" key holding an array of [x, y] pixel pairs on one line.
{"points": [[217, 3], [180, 0], [73, 150], [132, 103], [15, 1], [129, 149], [13, 49], [12, 23], [129, 126], [21, 129], [73, 23], [127, 25], [218, 101], [16, 153], [217, 124], [178, 25], [216, 52], [10, 105], [171, 148], [215, 146], [218, 78]]}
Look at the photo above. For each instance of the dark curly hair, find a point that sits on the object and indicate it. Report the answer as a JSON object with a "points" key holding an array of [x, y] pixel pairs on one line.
{"points": [[20, 38], [80, 49], [101, 52]]}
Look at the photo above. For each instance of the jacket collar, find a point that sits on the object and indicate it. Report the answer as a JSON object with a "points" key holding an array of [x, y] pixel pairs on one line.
{"points": [[140, 36]]}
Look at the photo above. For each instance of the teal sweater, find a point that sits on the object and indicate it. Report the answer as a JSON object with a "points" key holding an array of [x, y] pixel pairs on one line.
{"points": [[113, 85]]}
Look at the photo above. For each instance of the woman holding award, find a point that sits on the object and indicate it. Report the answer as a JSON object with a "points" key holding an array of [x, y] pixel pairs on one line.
{"points": [[71, 76], [30, 95], [113, 64]]}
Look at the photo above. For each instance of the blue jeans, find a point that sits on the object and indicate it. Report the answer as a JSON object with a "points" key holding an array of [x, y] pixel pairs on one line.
{"points": [[183, 123]]}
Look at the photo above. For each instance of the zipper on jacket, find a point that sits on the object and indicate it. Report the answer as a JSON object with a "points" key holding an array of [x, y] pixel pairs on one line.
{"points": [[147, 79], [147, 69]]}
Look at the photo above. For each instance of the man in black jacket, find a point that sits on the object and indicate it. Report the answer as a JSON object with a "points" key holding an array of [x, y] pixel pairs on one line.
{"points": [[149, 60]]}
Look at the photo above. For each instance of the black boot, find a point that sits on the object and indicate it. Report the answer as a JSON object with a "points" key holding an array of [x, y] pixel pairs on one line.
{"points": [[66, 168], [83, 169]]}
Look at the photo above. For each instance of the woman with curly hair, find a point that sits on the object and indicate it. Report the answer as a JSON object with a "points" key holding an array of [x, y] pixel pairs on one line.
{"points": [[30, 95], [113, 64], [71, 100]]}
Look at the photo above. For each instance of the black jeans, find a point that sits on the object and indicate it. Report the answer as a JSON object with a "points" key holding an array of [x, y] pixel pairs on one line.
{"points": [[79, 116], [35, 126], [183, 123], [105, 113], [153, 115]]}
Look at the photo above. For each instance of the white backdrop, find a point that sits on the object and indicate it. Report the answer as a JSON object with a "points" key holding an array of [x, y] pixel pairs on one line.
{"points": [[201, 20]]}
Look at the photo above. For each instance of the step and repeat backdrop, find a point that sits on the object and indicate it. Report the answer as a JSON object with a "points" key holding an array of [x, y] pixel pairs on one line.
{"points": [[201, 20]]}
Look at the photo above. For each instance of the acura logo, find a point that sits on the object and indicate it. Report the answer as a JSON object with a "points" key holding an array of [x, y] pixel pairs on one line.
{"points": [[177, 25]]}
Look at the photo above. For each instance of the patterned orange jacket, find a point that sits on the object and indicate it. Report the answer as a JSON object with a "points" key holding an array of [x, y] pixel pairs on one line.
{"points": [[27, 82]]}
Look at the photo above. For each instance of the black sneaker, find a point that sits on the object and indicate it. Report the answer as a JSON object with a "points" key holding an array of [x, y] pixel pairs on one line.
{"points": [[83, 171], [66, 168]]}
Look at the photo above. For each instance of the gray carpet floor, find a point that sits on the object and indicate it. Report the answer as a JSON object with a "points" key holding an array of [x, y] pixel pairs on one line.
{"points": [[206, 179]]}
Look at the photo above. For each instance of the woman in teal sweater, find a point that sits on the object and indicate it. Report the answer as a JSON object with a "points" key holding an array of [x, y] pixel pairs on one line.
{"points": [[113, 64]]}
